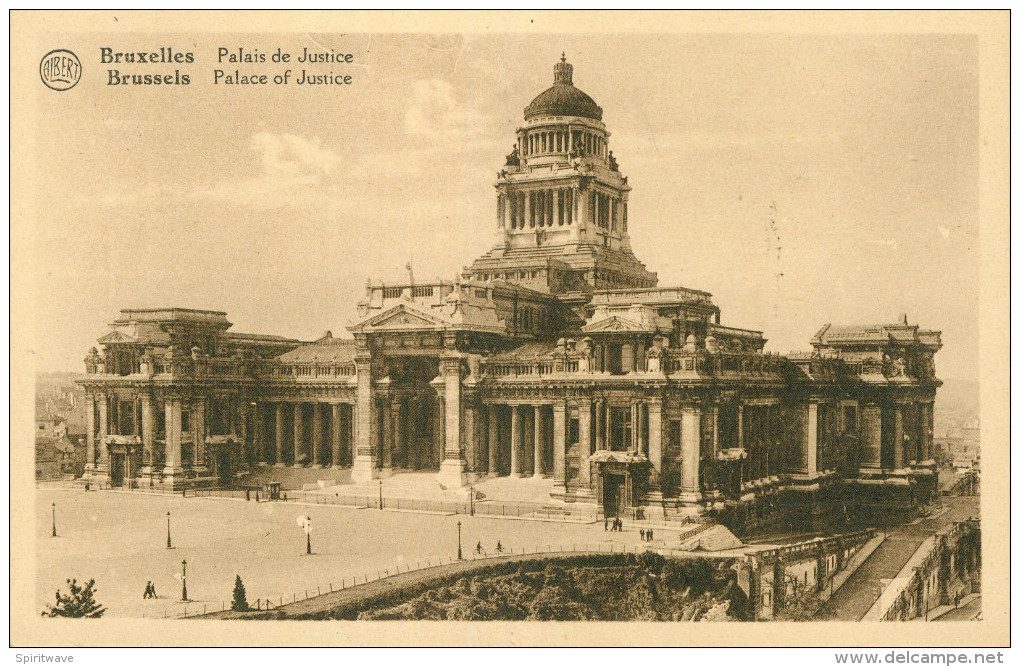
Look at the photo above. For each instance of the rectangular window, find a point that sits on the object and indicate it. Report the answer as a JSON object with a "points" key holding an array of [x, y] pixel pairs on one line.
{"points": [[619, 436]]}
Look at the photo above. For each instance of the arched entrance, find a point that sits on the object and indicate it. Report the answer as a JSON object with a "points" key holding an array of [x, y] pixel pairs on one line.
{"points": [[410, 378]]}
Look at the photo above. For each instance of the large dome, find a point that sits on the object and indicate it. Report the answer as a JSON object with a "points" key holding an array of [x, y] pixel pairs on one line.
{"points": [[563, 99]]}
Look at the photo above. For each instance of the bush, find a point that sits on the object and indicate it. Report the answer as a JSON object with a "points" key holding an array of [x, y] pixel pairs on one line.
{"points": [[78, 603]]}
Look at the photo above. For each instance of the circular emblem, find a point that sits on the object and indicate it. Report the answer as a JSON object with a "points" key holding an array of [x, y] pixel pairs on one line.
{"points": [[60, 69]]}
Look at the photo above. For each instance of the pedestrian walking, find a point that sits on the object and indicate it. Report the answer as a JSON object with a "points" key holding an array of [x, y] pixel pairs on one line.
{"points": [[499, 547], [642, 531], [478, 548], [605, 526], [650, 534]]}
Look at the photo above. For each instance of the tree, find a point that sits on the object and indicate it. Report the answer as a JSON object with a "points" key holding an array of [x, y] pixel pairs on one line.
{"points": [[240, 602], [78, 603]]}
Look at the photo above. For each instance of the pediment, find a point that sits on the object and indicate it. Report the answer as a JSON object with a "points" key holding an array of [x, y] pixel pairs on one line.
{"points": [[615, 323], [401, 318], [116, 337]]}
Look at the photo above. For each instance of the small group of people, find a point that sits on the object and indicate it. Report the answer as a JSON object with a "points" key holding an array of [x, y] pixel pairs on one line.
{"points": [[647, 534], [479, 549], [150, 591], [617, 525]]}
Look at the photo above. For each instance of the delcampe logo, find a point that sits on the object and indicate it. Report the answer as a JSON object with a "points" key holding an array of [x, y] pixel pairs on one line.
{"points": [[60, 69]]}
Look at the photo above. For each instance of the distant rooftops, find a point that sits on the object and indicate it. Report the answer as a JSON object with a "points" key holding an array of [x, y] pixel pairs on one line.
{"points": [[173, 314], [858, 334]]}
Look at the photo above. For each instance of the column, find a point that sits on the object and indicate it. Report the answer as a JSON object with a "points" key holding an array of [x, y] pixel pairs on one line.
{"points": [[528, 220], [148, 433], [507, 208], [104, 423], [740, 425], [539, 442], [583, 216], [399, 446], [386, 446], [279, 434], [927, 422], [364, 468], [871, 437], [317, 435], [655, 437], [584, 444], [90, 434], [352, 432], [715, 432], [299, 433], [260, 432], [600, 434], [641, 441], [452, 470], [335, 435], [898, 436], [244, 411], [635, 426], [560, 443], [515, 440], [198, 433], [557, 220], [690, 451], [493, 440], [609, 425], [812, 438], [172, 464]]}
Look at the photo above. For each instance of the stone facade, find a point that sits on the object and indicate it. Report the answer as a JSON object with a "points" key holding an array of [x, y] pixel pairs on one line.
{"points": [[556, 354]]}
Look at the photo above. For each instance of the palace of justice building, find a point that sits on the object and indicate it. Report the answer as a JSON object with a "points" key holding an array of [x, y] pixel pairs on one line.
{"points": [[555, 354]]}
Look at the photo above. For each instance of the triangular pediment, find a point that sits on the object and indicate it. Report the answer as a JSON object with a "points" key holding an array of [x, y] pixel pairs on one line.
{"points": [[400, 317], [615, 323], [116, 337]]}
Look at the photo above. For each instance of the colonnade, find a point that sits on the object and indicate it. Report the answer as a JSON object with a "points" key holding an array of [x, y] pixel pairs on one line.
{"points": [[556, 207], [312, 434]]}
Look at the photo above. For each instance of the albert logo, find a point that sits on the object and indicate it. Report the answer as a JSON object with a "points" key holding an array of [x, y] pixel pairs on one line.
{"points": [[60, 69]]}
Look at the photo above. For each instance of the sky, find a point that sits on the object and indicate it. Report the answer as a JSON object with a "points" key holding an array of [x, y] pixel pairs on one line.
{"points": [[800, 179]]}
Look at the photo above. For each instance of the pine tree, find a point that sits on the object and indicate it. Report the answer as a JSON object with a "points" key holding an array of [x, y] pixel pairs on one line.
{"points": [[240, 602], [78, 603]]}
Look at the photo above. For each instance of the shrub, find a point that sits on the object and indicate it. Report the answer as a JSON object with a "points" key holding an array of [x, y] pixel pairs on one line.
{"points": [[78, 603]]}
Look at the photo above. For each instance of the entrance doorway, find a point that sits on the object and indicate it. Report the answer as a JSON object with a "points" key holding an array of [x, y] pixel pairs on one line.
{"points": [[614, 494], [224, 470], [422, 448], [420, 425], [118, 469]]}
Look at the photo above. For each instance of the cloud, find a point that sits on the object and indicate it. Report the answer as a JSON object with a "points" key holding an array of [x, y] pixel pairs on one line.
{"points": [[292, 167], [290, 156], [434, 112]]}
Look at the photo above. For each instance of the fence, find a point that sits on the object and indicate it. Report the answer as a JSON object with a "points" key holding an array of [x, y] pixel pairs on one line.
{"points": [[263, 604]]}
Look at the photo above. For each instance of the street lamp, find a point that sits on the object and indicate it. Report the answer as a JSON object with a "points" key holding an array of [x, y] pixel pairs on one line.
{"points": [[308, 535], [168, 544], [380, 494], [460, 555], [54, 505], [184, 580]]}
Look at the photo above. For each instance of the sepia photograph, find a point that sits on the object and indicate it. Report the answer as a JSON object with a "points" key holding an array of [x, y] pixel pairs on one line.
{"points": [[509, 321]]}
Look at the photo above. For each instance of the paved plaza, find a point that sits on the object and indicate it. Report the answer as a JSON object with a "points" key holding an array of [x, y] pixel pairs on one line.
{"points": [[119, 538]]}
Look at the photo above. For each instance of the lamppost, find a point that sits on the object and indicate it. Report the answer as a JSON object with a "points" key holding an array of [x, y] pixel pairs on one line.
{"points": [[184, 580], [380, 494], [168, 544], [460, 555], [54, 505], [308, 535]]}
